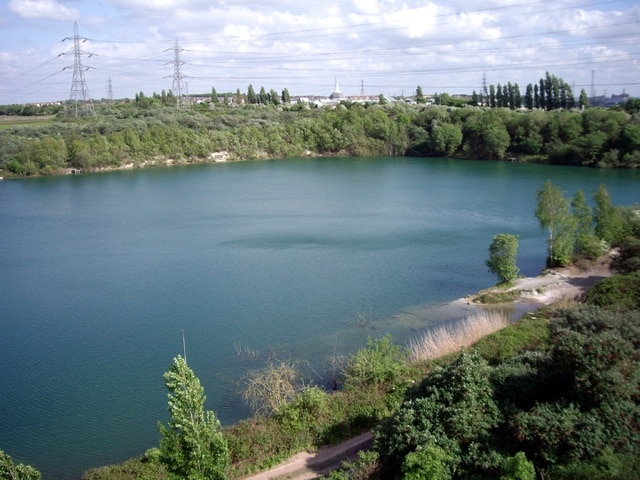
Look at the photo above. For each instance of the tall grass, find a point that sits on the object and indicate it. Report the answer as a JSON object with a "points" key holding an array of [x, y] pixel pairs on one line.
{"points": [[449, 338]]}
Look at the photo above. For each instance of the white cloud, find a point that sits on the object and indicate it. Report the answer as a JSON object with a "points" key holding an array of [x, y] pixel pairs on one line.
{"points": [[390, 45], [46, 9]]}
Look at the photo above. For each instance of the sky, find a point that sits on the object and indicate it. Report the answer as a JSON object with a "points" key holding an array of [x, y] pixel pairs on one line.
{"points": [[370, 47]]}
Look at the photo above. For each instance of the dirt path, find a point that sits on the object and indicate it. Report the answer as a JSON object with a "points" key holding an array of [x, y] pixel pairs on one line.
{"points": [[308, 465]]}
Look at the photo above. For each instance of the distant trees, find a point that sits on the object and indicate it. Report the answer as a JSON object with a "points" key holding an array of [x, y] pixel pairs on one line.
{"points": [[550, 93], [151, 129]]}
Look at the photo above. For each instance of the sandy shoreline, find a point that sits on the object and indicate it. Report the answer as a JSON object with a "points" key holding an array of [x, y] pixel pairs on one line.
{"points": [[561, 283]]}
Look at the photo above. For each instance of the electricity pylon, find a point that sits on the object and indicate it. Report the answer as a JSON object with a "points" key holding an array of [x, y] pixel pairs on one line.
{"points": [[79, 92], [177, 77]]}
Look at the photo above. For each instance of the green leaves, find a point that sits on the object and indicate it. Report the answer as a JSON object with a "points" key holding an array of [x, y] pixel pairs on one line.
{"points": [[502, 257], [9, 471], [191, 446]]}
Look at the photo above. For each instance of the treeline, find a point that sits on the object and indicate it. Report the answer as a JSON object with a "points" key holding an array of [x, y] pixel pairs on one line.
{"points": [[148, 131], [550, 93]]}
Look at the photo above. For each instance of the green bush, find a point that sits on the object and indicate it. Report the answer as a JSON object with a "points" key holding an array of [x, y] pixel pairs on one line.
{"points": [[10, 471], [380, 361], [618, 292], [134, 469]]}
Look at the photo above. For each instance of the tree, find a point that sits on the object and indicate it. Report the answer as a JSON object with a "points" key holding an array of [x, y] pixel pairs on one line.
{"points": [[191, 447], [429, 463], [584, 99], [609, 221], [587, 244], [502, 257], [9, 471], [274, 98], [214, 95], [419, 95], [263, 97], [251, 95], [553, 213], [286, 98], [445, 139], [528, 97]]}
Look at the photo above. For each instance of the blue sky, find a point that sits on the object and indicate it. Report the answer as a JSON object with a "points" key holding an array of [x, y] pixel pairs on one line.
{"points": [[370, 46]]}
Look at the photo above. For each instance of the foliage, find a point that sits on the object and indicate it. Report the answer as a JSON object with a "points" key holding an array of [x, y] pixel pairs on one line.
{"points": [[143, 468], [502, 257], [621, 292], [428, 463], [572, 410], [268, 389], [582, 397], [191, 447], [379, 362], [529, 333], [153, 130], [363, 467], [609, 219], [552, 211], [628, 258], [10, 471], [452, 409]]}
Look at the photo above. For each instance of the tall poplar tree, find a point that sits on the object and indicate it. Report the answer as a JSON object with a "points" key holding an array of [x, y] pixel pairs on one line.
{"points": [[251, 95], [191, 446], [528, 97]]}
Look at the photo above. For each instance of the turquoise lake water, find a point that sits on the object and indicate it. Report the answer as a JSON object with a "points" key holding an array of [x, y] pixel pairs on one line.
{"points": [[100, 275]]}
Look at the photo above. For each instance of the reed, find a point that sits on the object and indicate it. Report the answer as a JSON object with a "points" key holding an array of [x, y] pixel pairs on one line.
{"points": [[449, 338]]}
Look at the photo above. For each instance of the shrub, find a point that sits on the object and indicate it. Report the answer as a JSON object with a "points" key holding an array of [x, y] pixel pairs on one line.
{"points": [[452, 408], [133, 469], [380, 361], [620, 292], [270, 388]]}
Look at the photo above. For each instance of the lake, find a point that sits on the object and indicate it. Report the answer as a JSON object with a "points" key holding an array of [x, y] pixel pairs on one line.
{"points": [[302, 259]]}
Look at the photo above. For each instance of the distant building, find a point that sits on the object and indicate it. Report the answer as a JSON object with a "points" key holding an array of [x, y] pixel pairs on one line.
{"points": [[337, 94], [603, 101]]}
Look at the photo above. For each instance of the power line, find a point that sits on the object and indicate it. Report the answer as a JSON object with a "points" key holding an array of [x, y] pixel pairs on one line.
{"points": [[79, 97]]}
